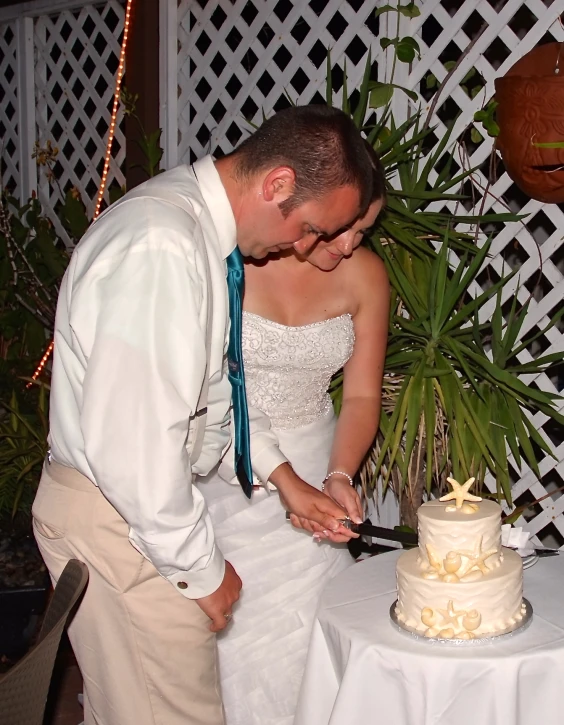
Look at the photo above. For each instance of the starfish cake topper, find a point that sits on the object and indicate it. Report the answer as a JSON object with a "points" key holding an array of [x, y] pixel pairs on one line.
{"points": [[460, 493]]}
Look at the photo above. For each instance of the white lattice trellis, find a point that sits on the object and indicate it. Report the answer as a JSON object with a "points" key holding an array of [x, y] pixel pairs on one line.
{"points": [[77, 56], [238, 60], [9, 116], [66, 56]]}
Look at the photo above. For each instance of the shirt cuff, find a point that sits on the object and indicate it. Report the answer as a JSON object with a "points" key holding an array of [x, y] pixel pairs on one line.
{"points": [[198, 584], [267, 461]]}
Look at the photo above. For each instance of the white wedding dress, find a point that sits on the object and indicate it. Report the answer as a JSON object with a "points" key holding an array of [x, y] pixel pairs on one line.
{"points": [[262, 652]]}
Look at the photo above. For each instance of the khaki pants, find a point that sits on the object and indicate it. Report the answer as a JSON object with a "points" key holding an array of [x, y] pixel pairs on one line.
{"points": [[145, 652]]}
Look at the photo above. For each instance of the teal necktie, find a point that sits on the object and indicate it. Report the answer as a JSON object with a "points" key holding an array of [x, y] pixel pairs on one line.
{"points": [[236, 289]]}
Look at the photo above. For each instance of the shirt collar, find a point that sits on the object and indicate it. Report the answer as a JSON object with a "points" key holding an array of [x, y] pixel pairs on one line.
{"points": [[215, 198]]}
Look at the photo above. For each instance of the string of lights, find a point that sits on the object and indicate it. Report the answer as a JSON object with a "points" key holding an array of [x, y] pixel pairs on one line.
{"points": [[107, 160], [115, 108]]}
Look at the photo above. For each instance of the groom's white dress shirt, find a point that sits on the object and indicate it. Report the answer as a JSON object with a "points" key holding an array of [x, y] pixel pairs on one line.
{"points": [[130, 359]]}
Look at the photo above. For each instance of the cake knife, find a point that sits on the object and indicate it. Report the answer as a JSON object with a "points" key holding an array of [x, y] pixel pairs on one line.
{"points": [[378, 532], [407, 537]]}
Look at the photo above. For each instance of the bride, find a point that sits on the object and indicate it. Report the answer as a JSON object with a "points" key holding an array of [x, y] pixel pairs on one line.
{"points": [[304, 318]]}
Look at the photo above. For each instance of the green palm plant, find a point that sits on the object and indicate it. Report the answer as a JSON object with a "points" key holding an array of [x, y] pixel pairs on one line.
{"points": [[23, 447], [453, 402], [449, 407]]}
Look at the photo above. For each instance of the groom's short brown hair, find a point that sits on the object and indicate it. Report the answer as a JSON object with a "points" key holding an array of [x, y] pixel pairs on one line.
{"points": [[321, 144]]}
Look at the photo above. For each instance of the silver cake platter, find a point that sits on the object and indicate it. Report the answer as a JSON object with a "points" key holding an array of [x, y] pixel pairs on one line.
{"points": [[478, 641]]}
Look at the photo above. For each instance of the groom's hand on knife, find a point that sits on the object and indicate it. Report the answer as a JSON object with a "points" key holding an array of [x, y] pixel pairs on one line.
{"points": [[310, 509]]}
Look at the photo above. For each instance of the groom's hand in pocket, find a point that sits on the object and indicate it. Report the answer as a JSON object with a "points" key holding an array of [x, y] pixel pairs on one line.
{"points": [[218, 604], [310, 509]]}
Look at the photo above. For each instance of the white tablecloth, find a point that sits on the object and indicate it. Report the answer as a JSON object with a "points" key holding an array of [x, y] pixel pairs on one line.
{"points": [[361, 670]]}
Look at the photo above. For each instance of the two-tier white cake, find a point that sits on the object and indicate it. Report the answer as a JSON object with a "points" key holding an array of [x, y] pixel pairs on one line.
{"points": [[460, 583]]}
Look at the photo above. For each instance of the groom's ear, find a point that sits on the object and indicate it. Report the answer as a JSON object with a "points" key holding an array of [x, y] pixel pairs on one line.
{"points": [[278, 184]]}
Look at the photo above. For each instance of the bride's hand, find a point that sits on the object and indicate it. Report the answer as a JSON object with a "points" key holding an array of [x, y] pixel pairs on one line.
{"points": [[340, 490], [310, 509]]}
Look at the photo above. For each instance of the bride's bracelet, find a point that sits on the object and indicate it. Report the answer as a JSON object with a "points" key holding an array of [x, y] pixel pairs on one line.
{"points": [[336, 473]]}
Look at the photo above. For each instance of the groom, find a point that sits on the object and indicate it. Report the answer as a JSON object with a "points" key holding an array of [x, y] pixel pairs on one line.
{"points": [[140, 406]]}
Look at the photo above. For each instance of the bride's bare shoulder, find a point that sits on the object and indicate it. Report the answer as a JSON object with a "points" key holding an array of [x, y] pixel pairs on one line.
{"points": [[366, 267], [366, 281]]}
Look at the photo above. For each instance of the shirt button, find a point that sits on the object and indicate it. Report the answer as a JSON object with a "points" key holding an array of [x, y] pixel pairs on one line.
{"points": [[182, 585]]}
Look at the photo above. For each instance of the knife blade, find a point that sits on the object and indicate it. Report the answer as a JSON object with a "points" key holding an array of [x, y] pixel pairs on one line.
{"points": [[380, 532], [548, 552], [411, 539]]}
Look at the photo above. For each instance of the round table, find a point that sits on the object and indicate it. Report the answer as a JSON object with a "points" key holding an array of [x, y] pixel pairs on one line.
{"points": [[362, 670]]}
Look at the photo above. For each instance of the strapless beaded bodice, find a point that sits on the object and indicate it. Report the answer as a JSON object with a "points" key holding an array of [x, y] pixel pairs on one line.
{"points": [[288, 369]]}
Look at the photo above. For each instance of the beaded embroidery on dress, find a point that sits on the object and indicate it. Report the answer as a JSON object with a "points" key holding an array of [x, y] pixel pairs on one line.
{"points": [[288, 369]]}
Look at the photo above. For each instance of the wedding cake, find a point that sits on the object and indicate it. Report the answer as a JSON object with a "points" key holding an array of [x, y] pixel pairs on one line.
{"points": [[460, 582]]}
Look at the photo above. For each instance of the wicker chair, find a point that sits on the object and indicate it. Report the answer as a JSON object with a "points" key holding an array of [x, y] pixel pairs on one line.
{"points": [[24, 688]]}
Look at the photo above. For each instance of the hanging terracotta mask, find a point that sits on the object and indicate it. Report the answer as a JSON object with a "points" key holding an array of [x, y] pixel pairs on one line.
{"points": [[531, 110]]}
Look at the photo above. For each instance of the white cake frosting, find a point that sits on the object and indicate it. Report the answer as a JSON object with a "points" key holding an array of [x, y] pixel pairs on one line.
{"points": [[457, 531], [460, 582]]}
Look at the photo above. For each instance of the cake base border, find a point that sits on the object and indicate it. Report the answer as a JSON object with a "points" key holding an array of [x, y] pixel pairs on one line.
{"points": [[415, 634]]}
